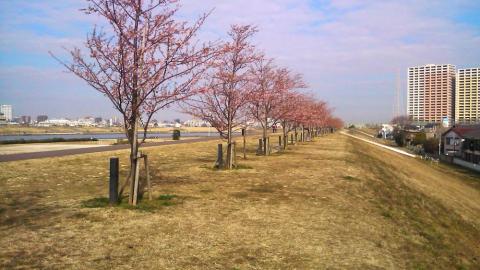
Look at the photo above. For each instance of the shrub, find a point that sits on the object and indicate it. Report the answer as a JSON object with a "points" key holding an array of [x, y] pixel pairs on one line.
{"points": [[420, 138], [399, 138], [431, 146]]}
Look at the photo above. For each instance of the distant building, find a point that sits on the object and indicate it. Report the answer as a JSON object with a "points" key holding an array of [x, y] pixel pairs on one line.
{"points": [[26, 120], [98, 120], [430, 96], [55, 122], [3, 120], [7, 112], [113, 122], [84, 122], [17, 120], [467, 96], [196, 123], [42, 118], [386, 131]]}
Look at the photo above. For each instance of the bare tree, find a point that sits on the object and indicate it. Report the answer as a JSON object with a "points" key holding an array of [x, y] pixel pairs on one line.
{"points": [[146, 61], [402, 120]]}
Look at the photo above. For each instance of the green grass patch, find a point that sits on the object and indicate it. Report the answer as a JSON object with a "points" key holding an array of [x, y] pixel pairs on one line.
{"points": [[167, 197], [238, 167], [243, 167], [143, 205], [350, 178], [96, 203]]}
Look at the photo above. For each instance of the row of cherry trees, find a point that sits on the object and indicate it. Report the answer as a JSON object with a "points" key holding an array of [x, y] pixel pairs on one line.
{"points": [[243, 84], [145, 59]]}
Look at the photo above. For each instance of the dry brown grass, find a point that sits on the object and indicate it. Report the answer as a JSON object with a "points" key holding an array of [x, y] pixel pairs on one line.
{"points": [[335, 203]]}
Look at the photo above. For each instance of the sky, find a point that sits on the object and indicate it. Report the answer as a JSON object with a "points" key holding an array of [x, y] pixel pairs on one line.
{"points": [[350, 52]]}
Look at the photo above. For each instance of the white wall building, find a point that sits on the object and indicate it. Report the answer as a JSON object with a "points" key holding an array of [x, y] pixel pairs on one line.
{"points": [[7, 112], [196, 123]]}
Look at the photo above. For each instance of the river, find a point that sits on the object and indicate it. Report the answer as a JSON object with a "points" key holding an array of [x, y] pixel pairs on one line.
{"points": [[100, 136]]}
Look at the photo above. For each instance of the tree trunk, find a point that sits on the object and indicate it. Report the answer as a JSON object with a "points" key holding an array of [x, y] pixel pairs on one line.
{"points": [[296, 135]]}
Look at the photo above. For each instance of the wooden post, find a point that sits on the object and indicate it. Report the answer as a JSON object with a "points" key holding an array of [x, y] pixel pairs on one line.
{"points": [[113, 187], [147, 171], [269, 150], [265, 147], [234, 154], [244, 134], [137, 178], [135, 163], [260, 147], [229, 163], [219, 162]]}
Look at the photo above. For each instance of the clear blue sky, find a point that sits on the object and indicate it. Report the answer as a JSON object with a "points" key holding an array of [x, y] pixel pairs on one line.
{"points": [[349, 51]]}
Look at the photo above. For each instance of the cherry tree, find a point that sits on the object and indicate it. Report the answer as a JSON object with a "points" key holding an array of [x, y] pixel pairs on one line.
{"points": [[223, 99], [335, 122], [143, 61], [293, 105]]}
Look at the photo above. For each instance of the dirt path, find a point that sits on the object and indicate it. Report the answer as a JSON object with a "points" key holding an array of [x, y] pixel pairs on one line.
{"points": [[90, 149], [379, 145]]}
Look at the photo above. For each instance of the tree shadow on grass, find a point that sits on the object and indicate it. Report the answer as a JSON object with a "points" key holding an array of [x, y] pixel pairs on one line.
{"points": [[26, 210]]}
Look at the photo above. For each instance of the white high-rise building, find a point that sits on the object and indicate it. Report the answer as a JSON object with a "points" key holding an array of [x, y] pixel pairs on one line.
{"points": [[467, 96], [431, 90], [7, 112]]}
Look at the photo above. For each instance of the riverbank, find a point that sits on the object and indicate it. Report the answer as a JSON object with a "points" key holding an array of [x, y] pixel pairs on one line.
{"points": [[336, 203]]}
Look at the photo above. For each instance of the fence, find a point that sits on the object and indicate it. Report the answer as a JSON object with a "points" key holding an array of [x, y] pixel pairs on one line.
{"points": [[460, 162]]}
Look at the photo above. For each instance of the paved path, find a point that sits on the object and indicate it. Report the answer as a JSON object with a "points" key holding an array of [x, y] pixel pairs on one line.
{"points": [[381, 145], [68, 152]]}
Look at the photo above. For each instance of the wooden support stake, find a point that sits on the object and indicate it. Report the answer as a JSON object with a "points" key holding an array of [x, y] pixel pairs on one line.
{"points": [[229, 156], [136, 180], [147, 171], [113, 187], [234, 154], [244, 134], [260, 147]]}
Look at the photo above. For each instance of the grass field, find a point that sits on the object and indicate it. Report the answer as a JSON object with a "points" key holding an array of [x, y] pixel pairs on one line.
{"points": [[11, 130], [335, 203]]}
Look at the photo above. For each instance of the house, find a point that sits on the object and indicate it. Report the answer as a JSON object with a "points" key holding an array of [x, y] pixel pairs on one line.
{"points": [[462, 141], [471, 146]]}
